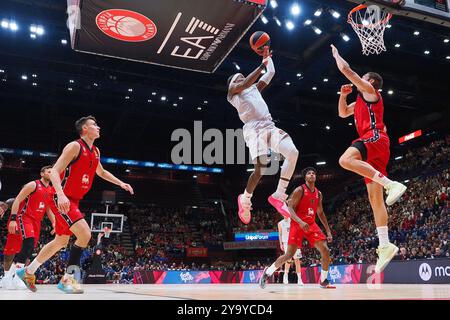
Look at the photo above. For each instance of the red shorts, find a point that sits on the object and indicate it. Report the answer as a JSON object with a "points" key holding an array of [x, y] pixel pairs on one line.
{"points": [[64, 221], [13, 244], [374, 149], [29, 228], [313, 235]]}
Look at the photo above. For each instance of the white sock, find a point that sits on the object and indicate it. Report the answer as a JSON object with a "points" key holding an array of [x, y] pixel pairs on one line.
{"points": [[271, 270], [381, 179], [299, 277], [281, 188], [34, 265], [383, 236], [247, 195], [323, 275]]}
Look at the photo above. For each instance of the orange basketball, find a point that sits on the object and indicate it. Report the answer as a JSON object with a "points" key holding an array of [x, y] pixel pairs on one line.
{"points": [[258, 40]]}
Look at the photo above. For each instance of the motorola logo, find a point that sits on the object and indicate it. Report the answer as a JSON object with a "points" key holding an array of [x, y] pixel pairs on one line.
{"points": [[425, 272]]}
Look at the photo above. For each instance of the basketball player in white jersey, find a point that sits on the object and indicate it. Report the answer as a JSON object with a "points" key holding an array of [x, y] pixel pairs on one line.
{"points": [[283, 234], [260, 134]]}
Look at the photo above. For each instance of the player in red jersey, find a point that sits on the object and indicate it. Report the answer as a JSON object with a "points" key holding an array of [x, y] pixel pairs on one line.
{"points": [[24, 225], [368, 156], [72, 177], [304, 203]]}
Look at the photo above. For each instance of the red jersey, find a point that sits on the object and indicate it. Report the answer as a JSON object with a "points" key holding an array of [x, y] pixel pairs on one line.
{"points": [[35, 205], [307, 207], [369, 116], [79, 175]]}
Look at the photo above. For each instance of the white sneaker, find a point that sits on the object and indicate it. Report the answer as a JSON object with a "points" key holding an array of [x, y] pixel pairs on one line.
{"points": [[300, 282], [394, 190], [385, 255], [285, 279], [18, 284], [7, 283]]}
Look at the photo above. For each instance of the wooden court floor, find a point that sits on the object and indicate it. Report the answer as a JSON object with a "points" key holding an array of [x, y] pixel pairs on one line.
{"points": [[236, 292]]}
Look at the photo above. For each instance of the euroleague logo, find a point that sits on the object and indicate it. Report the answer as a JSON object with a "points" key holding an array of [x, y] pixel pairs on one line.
{"points": [[126, 25]]}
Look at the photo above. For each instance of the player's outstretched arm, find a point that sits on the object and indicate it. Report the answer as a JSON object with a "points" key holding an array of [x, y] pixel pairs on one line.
{"points": [[323, 218], [293, 202], [23, 194], [108, 176], [343, 66], [270, 70]]}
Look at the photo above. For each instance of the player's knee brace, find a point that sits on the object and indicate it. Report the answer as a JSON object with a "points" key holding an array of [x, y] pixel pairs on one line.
{"points": [[26, 251]]}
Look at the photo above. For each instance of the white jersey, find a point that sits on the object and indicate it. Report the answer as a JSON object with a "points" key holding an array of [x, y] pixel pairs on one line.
{"points": [[251, 106], [285, 227]]}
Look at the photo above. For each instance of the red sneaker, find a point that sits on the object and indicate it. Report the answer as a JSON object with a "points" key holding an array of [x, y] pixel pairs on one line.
{"points": [[244, 206], [280, 205]]}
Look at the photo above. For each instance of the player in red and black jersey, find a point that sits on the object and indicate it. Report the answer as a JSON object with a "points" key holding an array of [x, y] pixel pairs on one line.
{"points": [[24, 225], [304, 203], [72, 177], [368, 156]]}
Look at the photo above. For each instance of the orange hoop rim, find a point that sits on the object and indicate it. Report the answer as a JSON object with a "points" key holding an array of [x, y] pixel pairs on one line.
{"points": [[364, 6]]}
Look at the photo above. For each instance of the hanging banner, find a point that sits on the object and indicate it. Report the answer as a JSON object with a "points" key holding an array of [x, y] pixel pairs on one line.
{"points": [[194, 35]]}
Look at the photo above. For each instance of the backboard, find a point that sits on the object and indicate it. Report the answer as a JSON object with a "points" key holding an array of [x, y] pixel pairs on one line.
{"points": [[102, 220], [434, 11]]}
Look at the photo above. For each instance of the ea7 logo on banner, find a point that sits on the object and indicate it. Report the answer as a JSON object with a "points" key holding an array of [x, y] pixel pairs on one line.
{"points": [[200, 41]]}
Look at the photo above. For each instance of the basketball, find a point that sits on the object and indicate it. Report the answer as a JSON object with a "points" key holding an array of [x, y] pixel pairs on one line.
{"points": [[258, 41], [126, 26]]}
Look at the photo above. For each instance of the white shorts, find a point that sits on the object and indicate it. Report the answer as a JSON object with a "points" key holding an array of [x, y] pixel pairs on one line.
{"points": [[262, 137], [298, 252]]}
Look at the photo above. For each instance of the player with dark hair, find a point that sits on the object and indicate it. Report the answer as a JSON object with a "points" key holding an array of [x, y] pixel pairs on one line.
{"points": [[304, 203], [24, 225], [368, 156], [261, 134], [72, 176]]}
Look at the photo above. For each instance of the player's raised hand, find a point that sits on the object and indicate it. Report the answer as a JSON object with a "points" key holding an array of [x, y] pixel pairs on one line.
{"points": [[63, 203], [127, 187], [12, 227], [346, 89], [334, 51], [267, 53]]}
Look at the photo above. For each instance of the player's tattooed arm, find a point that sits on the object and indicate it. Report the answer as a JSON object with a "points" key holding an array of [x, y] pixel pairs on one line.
{"points": [[236, 88], [5, 206], [23, 194], [343, 66], [293, 202]]}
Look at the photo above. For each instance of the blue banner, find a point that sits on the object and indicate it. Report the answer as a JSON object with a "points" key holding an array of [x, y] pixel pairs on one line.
{"points": [[127, 162], [256, 236]]}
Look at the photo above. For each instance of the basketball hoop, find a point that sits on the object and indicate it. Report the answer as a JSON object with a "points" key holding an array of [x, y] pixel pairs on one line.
{"points": [[369, 23], [107, 232]]}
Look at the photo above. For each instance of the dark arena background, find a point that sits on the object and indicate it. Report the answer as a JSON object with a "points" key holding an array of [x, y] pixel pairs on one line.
{"points": [[179, 237]]}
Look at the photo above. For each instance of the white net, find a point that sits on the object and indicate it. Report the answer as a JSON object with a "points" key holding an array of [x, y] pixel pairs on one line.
{"points": [[369, 23]]}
